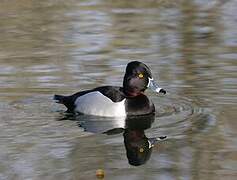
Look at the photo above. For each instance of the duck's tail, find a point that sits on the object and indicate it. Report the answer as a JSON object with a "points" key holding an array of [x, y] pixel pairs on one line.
{"points": [[59, 99], [67, 101]]}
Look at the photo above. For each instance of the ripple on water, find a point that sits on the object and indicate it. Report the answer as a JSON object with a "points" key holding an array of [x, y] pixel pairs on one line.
{"points": [[178, 117]]}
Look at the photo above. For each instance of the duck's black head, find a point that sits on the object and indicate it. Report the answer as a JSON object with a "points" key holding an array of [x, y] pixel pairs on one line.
{"points": [[138, 78]]}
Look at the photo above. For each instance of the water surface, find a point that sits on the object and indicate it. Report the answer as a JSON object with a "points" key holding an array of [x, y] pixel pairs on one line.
{"points": [[61, 47]]}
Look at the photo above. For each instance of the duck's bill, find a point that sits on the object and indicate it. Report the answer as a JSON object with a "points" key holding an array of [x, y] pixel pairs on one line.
{"points": [[154, 87]]}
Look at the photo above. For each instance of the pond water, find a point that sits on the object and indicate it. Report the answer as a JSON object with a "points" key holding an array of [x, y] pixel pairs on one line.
{"points": [[61, 47]]}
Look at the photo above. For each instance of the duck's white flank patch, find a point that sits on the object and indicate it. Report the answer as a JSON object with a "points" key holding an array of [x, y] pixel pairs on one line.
{"points": [[95, 103]]}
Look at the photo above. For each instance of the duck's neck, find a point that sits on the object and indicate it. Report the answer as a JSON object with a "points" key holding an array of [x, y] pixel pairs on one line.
{"points": [[131, 93]]}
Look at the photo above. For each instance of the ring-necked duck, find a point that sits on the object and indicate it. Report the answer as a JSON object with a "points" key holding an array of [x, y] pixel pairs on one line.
{"points": [[113, 101]]}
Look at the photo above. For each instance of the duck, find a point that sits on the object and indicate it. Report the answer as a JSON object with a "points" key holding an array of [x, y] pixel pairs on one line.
{"points": [[114, 101]]}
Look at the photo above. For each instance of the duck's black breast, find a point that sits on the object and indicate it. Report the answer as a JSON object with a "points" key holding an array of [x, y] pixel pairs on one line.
{"points": [[139, 105]]}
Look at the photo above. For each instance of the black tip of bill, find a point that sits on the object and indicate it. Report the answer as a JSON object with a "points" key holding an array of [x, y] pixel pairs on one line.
{"points": [[162, 91]]}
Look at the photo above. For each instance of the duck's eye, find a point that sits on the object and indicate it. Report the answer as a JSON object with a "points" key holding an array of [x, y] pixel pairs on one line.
{"points": [[141, 150], [140, 75]]}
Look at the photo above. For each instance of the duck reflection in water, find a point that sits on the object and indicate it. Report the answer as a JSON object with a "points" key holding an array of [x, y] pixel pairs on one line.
{"points": [[138, 146]]}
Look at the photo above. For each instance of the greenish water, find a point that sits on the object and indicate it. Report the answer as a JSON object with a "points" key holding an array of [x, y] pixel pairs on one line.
{"points": [[61, 47]]}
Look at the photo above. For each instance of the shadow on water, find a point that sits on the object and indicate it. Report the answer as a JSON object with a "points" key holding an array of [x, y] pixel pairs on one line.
{"points": [[138, 146]]}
